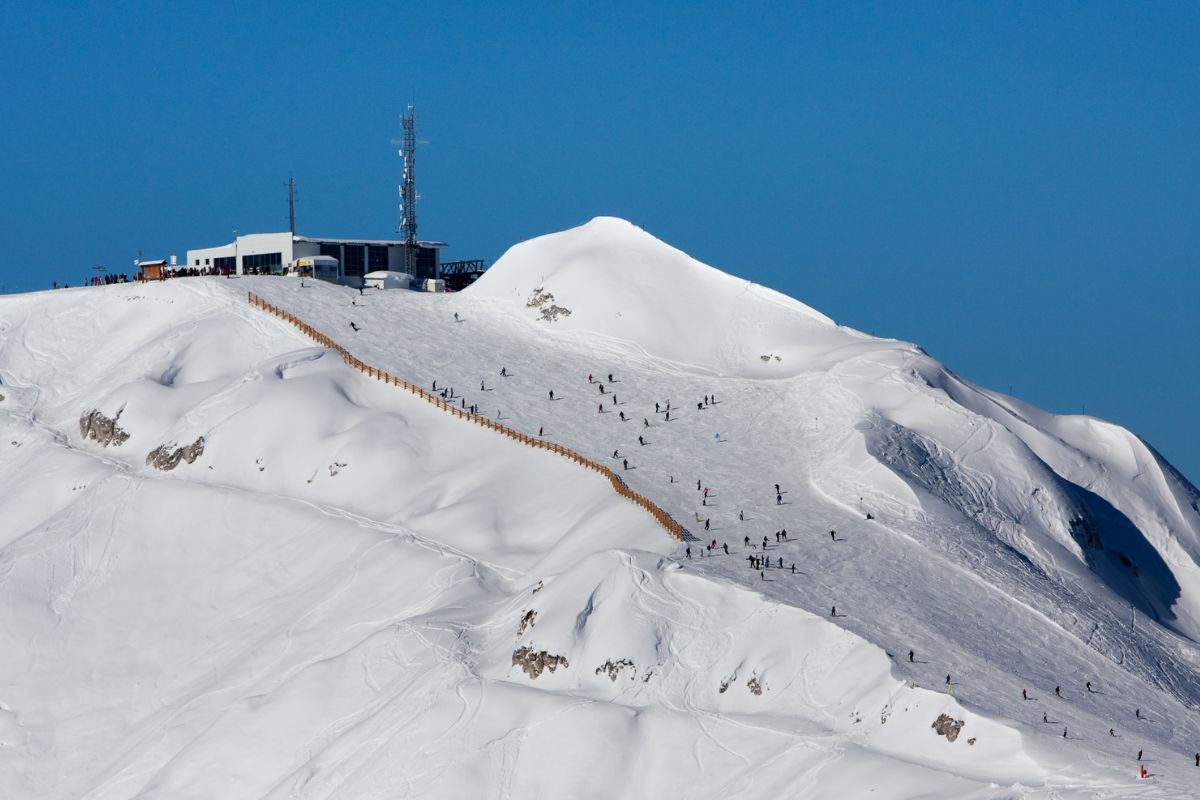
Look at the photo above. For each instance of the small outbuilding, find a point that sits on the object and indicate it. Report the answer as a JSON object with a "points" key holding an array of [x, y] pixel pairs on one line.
{"points": [[387, 279], [152, 270]]}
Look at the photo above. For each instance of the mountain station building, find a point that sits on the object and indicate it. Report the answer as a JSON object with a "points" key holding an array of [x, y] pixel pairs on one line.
{"points": [[277, 254]]}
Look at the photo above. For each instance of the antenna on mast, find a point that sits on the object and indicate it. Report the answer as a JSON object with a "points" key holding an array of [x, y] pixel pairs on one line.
{"points": [[408, 189], [292, 204]]}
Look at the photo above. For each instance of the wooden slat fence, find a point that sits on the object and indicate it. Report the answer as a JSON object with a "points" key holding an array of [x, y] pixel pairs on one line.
{"points": [[662, 517]]}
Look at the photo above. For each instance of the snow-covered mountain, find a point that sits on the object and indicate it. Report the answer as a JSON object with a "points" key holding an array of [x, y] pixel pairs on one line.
{"points": [[256, 572]]}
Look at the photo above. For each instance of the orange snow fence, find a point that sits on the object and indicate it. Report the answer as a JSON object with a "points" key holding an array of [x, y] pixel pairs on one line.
{"points": [[661, 517]]}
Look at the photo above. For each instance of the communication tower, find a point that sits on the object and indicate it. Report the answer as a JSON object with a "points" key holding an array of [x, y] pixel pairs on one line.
{"points": [[408, 190]]}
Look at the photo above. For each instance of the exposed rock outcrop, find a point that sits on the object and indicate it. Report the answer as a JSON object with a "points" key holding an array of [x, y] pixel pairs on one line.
{"points": [[165, 458], [535, 662], [94, 425], [527, 621], [613, 668], [947, 726]]}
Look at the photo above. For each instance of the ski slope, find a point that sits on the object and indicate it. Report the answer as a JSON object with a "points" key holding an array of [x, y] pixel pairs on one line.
{"points": [[327, 602]]}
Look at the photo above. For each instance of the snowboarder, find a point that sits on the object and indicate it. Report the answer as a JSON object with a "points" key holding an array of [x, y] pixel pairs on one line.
{"points": [[870, 515], [910, 656]]}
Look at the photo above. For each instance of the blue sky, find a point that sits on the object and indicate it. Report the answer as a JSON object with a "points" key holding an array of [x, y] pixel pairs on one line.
{"points": [[1012, 186]]}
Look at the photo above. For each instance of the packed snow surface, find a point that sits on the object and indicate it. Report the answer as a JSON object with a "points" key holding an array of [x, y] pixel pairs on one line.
{"points": [[339, 590]]}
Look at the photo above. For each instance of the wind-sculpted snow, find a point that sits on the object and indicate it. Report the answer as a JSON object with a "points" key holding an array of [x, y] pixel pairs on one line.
{"points": [[349, 593]]}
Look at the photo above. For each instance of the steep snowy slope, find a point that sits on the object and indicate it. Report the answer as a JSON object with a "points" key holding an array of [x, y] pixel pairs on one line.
{"points": [[349, 593]]}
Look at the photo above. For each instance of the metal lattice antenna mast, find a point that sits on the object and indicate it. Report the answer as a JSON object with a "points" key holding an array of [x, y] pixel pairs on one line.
{"points": [[292, 204], [408, 190]]}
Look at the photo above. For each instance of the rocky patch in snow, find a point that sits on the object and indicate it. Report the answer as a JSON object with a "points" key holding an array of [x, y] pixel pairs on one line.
{"points": [[527, 621], [613, 668], [94, 425], [754, 686], [534, 662], [947, 726], [165, 458], [544, 302]]}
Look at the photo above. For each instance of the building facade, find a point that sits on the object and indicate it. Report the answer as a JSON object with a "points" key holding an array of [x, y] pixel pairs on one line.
{"points": [[272, 253]]}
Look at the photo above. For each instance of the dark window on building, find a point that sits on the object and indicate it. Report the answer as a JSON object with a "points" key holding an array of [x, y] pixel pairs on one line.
{"points": [[225, 264], [426, 262], [197, 263], [352, 261], [331, 250], [376, 257], [262, 263]]}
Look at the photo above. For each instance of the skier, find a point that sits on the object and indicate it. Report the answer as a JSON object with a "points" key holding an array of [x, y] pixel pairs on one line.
{"points": [[781, 562], [1137, 712], [1139, 755], [783, 533], [1044, 718], [600, 408], [656, 408], [778, 499], [699, 406], [616, 453], [352, 325], [641, 441], [948, 679], [435, 386], [833, 611], [503, 372], [689, 552], [482, 388], [910, 656], [793, 569], [1111, 732], [540, 430], [706, 524], [1064, 733], [614, 399], [697, 485], [1198, 759], [610, 378], [601, 385], [741, 517], [1024, 695], [360, 295], [705, 399], [622, 416], [668, 417], [625, 463], [645, 422], [551, 394], [706, 491], [455, 313], [746, 541], [726, 546], [777, 488], [833, 536], [589, 377], [1058, 691], [764, 543], [1089, 686]]}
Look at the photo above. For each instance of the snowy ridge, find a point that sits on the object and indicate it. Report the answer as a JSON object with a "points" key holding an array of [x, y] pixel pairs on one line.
{"points": [[348, 593]]}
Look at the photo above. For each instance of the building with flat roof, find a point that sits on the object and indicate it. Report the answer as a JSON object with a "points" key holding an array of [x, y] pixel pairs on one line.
{"points": [[273, 253]]}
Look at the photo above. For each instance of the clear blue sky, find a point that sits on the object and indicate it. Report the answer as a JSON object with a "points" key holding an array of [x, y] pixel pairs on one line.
{"points": [[1012, 186]]}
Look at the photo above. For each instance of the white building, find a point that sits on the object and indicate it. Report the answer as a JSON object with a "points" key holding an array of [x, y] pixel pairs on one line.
{"points": [[272, 253]]}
